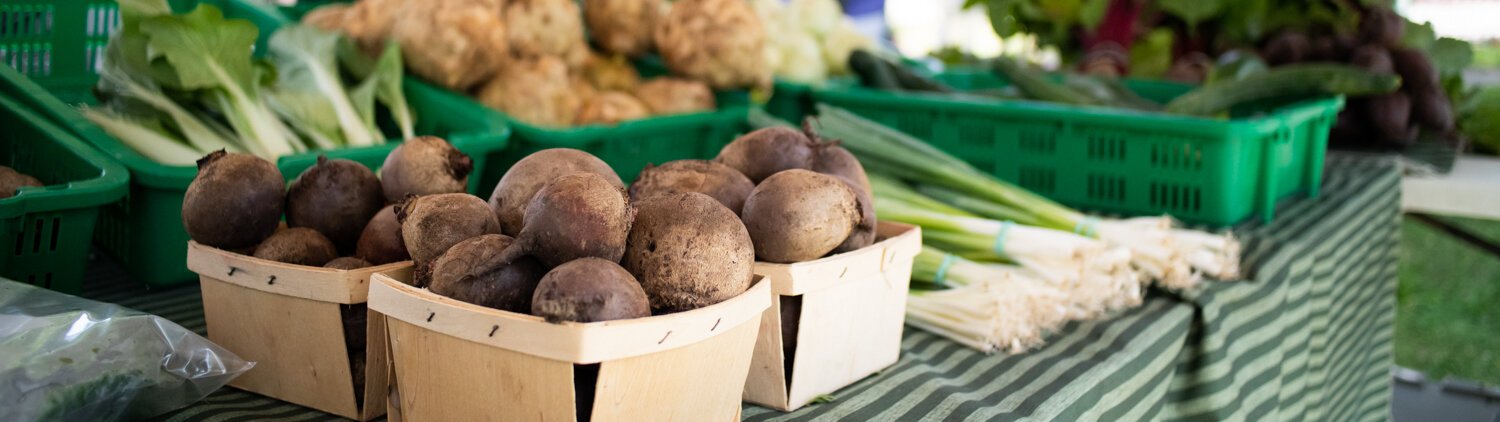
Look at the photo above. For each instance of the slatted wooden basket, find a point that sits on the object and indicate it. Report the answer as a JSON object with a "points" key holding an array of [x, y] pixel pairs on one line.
{"points": [[456, 361], [288, 320], [849, 327]]}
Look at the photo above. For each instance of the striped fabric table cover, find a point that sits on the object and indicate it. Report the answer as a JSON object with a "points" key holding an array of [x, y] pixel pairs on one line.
{"points": [[1307, 337]]}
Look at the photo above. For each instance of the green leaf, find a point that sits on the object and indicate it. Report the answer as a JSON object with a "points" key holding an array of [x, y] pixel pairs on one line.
{"points": [[1062, 12], [1451, 56], [1244, 23], [388, 75], [132, 11], [309, 113], [1151, 55], [362, 97], [211, 54], [824, 398], [145, 137], [1192, 11], [1480, 119], [205, 50], [200, 134], [1418, 36], [1003, 17], [307, 63], [1092, 13]]}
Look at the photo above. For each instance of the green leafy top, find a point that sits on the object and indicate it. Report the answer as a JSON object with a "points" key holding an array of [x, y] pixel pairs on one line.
{"points": [[205, 50]]}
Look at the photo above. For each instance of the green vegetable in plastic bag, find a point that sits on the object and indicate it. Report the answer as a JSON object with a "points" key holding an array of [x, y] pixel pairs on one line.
{"points": [[72, 359]]}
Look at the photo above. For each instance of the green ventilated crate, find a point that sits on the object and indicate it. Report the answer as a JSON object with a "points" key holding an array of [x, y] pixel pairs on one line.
{"points": [[45, 231], [790, 101], [1208, 171], [145, 231]]}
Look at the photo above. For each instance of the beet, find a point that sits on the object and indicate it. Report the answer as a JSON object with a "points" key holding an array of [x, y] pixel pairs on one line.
{"points": [[834, 160], [1374, 58], [1286, 48], [234, 202], [336, 198], [1416, 70], [799, 215], [688, 251], [768, 151], [11, 181], [380, 243], [1383, 26], [589, 290], [468, 271], [347, 263], [298, 246], [433, 223], [424, 165], [1433, 111], [529, 175], [576, 216], [719, 181], [1390, 116]]}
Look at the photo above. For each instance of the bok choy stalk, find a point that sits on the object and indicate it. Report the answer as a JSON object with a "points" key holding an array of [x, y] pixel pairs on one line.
{"points": [[202, 135], [983, 307], [210, 55], [1154, 246], [309, 91], [382, 77], [150, 142]]}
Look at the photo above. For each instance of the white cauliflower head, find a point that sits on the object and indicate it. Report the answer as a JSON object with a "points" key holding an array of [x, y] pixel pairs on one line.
{"points": [[720, 42], [801, 59], [454, 43], [546, 27], [624, 26], [610, 107], [675, 96], [537, 91]]}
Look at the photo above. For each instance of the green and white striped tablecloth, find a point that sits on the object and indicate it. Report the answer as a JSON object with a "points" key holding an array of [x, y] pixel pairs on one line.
{"points": [[1307, 337]]}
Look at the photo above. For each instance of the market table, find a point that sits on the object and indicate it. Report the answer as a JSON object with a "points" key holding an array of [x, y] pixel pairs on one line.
{"points": [[1307, 336]]}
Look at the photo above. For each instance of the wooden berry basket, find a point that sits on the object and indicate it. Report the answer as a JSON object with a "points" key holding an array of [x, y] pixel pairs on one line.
{"points": [[853, 307], [456, 361], [286, 318]]}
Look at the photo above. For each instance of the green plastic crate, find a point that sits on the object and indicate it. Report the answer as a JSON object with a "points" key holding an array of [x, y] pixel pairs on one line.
{"points": [[145, 232], [790, 101], [1208, 171], [45, 232]]}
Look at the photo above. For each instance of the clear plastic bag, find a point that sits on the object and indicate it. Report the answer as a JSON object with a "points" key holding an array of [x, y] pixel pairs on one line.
{"points": [[64, 358]]}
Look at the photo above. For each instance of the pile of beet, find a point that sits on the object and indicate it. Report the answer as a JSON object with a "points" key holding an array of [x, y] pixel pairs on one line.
{"points": [[338, 213]]}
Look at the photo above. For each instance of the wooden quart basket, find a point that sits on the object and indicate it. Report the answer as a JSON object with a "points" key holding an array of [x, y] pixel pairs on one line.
{"points": [[287, 319], [456, 361], [852, 308]]}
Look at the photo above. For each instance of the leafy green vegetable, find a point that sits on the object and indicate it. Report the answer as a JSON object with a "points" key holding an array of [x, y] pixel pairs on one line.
{"points": [[310, 114], [1450, 56], [307, 62], [1418, 36], [1151, 56], [151, 142], [211, 54], [200, 134], [1192, 11], [1480, 118], [1092, 13], [385, 74]]}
